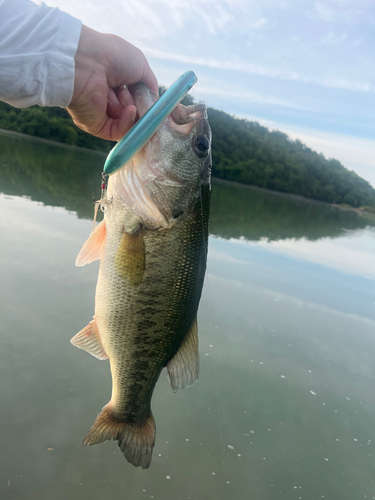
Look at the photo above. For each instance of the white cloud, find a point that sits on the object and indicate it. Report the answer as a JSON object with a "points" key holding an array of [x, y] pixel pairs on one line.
{"points": [[260, 50], [18, 215], [234, 64], [258, 24], [250, 97], [344, 11], [323, 11], [352, 255], [237, 64], [332, 39], [216, 33], [358, 42]]}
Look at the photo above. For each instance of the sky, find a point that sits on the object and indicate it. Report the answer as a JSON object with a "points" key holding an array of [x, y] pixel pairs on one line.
{"points": [[303, 67]]}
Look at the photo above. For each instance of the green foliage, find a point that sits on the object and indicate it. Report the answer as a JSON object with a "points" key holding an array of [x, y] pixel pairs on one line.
{"points": [[239, 211], [70, 177], [57, 175], [246, 152], [49, 123], [370, 210], [243, 151]]}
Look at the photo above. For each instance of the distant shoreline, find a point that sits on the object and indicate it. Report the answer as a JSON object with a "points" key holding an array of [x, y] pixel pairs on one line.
{"points": [[216, 180], [272, 191], [49, 141], [244, 151], [293, 196]]}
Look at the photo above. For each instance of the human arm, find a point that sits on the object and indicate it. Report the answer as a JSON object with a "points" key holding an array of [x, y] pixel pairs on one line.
{"points": [[37, 48], [48, 58], [101, 105]]}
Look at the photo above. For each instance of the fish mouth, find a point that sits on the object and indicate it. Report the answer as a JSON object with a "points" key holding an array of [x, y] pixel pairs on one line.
{"points": [[140, 184], [182, 118]]}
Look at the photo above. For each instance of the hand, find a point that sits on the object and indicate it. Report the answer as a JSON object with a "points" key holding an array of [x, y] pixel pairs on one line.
{"points": [[101, 105]]}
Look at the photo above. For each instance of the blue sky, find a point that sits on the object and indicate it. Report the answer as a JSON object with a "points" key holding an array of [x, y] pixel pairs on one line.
{"points": [[304, 67]]}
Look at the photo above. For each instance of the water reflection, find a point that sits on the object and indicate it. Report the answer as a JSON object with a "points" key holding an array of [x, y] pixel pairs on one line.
{"points": [[285, 404], [239, 211], [54, 174], [66, 176]]}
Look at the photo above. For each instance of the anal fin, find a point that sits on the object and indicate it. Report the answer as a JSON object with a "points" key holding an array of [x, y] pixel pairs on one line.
{"points": [[92, 248], [183, 368], [88, 339]]}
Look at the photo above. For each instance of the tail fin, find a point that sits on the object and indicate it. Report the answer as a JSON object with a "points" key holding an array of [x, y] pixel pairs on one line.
{"points": [[135, 440]]}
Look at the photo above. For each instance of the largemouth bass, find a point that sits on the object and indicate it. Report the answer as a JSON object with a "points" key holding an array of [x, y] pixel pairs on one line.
{"points": [[152, 246]]}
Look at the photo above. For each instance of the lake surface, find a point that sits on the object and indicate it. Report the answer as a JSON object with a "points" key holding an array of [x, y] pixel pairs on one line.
{"points": [[285, 405]]}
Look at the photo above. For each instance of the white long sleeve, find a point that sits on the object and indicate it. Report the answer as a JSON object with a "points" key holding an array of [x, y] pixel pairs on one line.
{"points": [[37, 49]]}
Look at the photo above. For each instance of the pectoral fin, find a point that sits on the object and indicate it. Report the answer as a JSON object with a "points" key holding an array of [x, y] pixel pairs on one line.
{"points": [[130, 257], [183, 368], [92, 248], [89, 340]]}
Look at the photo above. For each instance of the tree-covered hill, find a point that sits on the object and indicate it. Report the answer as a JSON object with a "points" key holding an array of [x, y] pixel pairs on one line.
{"points": [[69, 177], [49, 123], [242, 150], [247, 152]]}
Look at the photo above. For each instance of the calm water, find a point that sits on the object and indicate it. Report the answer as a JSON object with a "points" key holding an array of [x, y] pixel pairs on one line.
{"points": [[285, 405]]}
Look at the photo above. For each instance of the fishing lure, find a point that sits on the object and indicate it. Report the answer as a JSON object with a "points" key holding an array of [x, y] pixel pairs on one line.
{"points": [[146, 127]]}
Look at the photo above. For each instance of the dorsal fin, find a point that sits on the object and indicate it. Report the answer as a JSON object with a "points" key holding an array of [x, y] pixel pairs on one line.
{"points": [[183, 368], [93, 247]]}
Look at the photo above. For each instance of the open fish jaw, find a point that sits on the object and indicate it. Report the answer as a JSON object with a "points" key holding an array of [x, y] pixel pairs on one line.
{"points": [[167, 161]]}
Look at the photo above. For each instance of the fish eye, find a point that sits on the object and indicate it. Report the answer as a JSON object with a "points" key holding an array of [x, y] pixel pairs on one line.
{"points": [[201, 145]]}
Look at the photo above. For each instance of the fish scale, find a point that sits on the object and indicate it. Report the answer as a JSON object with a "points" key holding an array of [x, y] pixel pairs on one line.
{"points": [[150, 277], [177, 308]]}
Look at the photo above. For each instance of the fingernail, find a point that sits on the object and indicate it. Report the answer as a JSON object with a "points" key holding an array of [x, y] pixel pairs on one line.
{"points": [[134, 116], [112, 97], [121, 97]]}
